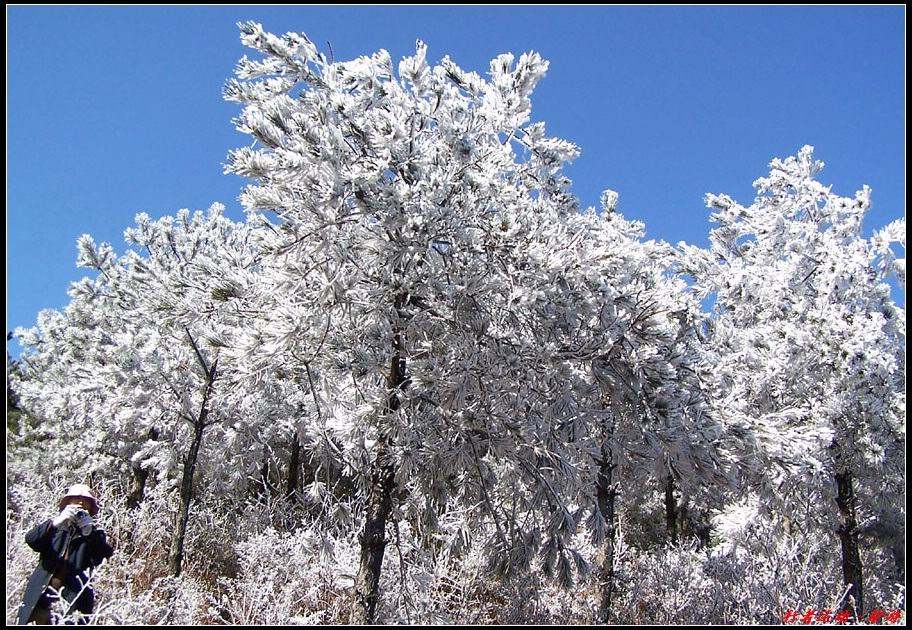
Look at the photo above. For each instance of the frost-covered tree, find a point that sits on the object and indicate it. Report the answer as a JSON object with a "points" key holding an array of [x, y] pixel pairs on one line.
{"points": [[134, 359], [59, 385], [629, 408], [407, 201], [177, 288], [809, 347]]}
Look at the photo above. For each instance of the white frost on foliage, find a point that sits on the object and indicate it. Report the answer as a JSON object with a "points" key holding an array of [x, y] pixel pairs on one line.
{"points": [[417, 292]]}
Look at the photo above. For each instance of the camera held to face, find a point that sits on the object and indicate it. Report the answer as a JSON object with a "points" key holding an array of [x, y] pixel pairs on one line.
{"points": [[82, 521]]}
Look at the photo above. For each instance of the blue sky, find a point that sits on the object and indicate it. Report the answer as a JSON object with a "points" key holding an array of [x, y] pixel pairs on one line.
{"points": [[117, 110]]}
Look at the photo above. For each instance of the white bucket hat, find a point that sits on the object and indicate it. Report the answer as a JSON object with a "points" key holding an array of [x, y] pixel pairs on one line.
{"points": [[83, 491]]}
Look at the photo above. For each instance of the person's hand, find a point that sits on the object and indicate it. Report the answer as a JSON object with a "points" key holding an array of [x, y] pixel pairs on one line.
{"points": [[67, 514], [84, 523]]}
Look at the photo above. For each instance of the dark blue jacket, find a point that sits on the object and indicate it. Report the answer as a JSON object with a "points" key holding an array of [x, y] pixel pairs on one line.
{"points": [[85, 552]]}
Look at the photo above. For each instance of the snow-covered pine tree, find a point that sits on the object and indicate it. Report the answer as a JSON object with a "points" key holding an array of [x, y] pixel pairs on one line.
{"points": [[406, 203], [809, 348], [134, 358], [632, 408]]}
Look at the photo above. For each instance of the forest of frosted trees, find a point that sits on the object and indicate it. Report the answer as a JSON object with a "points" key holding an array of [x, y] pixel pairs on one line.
{"points": [[421, 384]]}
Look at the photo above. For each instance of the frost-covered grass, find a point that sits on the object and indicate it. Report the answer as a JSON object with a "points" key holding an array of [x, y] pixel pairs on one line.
{"points": [[263, 562]]}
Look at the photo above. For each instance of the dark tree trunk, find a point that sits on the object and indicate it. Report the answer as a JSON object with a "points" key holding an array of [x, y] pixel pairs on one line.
{"points": [[293, 485], [380, 499], [848, 539], [186, 494], [137, 486], [138, 477], [671, 510], [176, 556], [605, 494], [373, 542]]}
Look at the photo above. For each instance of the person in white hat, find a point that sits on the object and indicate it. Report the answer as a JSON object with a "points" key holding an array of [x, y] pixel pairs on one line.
{"points": [[69, 545]]}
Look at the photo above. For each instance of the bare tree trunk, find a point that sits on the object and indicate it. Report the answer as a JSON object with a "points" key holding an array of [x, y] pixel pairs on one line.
{"points": [[138, 479], [186, 494], [293, 485], [380, 500], [138, 476], [848, 538], [605, 494], [176, 556], [671, 510], [373, 542]]}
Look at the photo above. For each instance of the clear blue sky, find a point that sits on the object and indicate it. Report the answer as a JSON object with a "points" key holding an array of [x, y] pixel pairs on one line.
{"points": [[117, 110]]}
